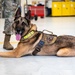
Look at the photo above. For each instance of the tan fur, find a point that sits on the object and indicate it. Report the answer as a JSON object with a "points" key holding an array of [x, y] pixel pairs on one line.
{"points": [[66, 52]]}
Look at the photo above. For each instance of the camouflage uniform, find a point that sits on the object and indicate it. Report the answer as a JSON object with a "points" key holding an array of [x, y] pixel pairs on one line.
{"points": [[9, 7]]}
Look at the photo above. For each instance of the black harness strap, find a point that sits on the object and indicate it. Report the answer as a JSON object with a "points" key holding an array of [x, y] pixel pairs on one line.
{"points": [[38, 47]]}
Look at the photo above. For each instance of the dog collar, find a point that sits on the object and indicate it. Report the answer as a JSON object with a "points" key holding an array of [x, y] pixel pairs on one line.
{"points": [[29, 35]]}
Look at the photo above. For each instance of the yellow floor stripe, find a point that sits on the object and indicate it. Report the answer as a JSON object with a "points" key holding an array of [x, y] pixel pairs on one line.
{"points": [[10, 42]]}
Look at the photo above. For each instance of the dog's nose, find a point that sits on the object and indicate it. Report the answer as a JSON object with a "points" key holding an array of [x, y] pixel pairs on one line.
{"points": [[18, 30]]}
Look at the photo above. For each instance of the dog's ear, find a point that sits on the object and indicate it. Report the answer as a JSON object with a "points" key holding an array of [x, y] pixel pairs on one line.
{"points": [[28, 15], [18, 13]]}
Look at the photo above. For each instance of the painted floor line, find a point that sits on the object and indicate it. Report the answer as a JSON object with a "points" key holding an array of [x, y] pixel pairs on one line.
{"points": [[10, 42]]}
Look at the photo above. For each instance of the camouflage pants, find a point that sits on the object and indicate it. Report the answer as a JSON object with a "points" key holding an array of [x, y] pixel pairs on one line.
{"points": [[10, 8], [8, 26]]}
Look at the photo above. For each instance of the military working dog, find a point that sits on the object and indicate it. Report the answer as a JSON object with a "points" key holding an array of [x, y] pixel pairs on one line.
{"points": [[36, 42]]}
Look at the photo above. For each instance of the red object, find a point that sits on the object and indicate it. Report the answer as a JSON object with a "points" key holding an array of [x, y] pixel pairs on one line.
{"points": [[37, 10]]}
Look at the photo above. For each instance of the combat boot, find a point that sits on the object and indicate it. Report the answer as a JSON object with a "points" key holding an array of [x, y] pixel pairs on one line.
{"points": [[7, 44]]}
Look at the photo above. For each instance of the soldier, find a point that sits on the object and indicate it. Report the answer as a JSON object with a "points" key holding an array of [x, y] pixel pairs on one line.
{"points": [[9, 7]]}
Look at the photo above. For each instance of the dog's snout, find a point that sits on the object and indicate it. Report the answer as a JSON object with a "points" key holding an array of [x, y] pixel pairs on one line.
{"points": [[18, 30]]}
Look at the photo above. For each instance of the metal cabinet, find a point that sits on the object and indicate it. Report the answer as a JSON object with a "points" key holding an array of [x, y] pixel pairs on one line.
{"points": [[72, 6], [56, 8], [65, 8]]}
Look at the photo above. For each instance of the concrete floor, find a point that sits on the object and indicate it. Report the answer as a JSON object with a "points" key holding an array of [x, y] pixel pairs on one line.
{"points": [[40, 65]]}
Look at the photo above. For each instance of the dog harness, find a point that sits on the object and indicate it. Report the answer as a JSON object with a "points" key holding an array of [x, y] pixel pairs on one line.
{"points": [[47, 39], [29, 35]]}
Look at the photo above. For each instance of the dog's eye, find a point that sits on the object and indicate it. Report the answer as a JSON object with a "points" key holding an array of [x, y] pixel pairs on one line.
{"points": [[17, 22]]}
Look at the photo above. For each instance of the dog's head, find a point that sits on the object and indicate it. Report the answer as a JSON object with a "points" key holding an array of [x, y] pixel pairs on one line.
{"points": [[21, 24]]}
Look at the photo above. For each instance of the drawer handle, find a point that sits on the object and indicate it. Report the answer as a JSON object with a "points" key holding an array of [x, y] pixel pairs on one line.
{"points": [[66, 8]]}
